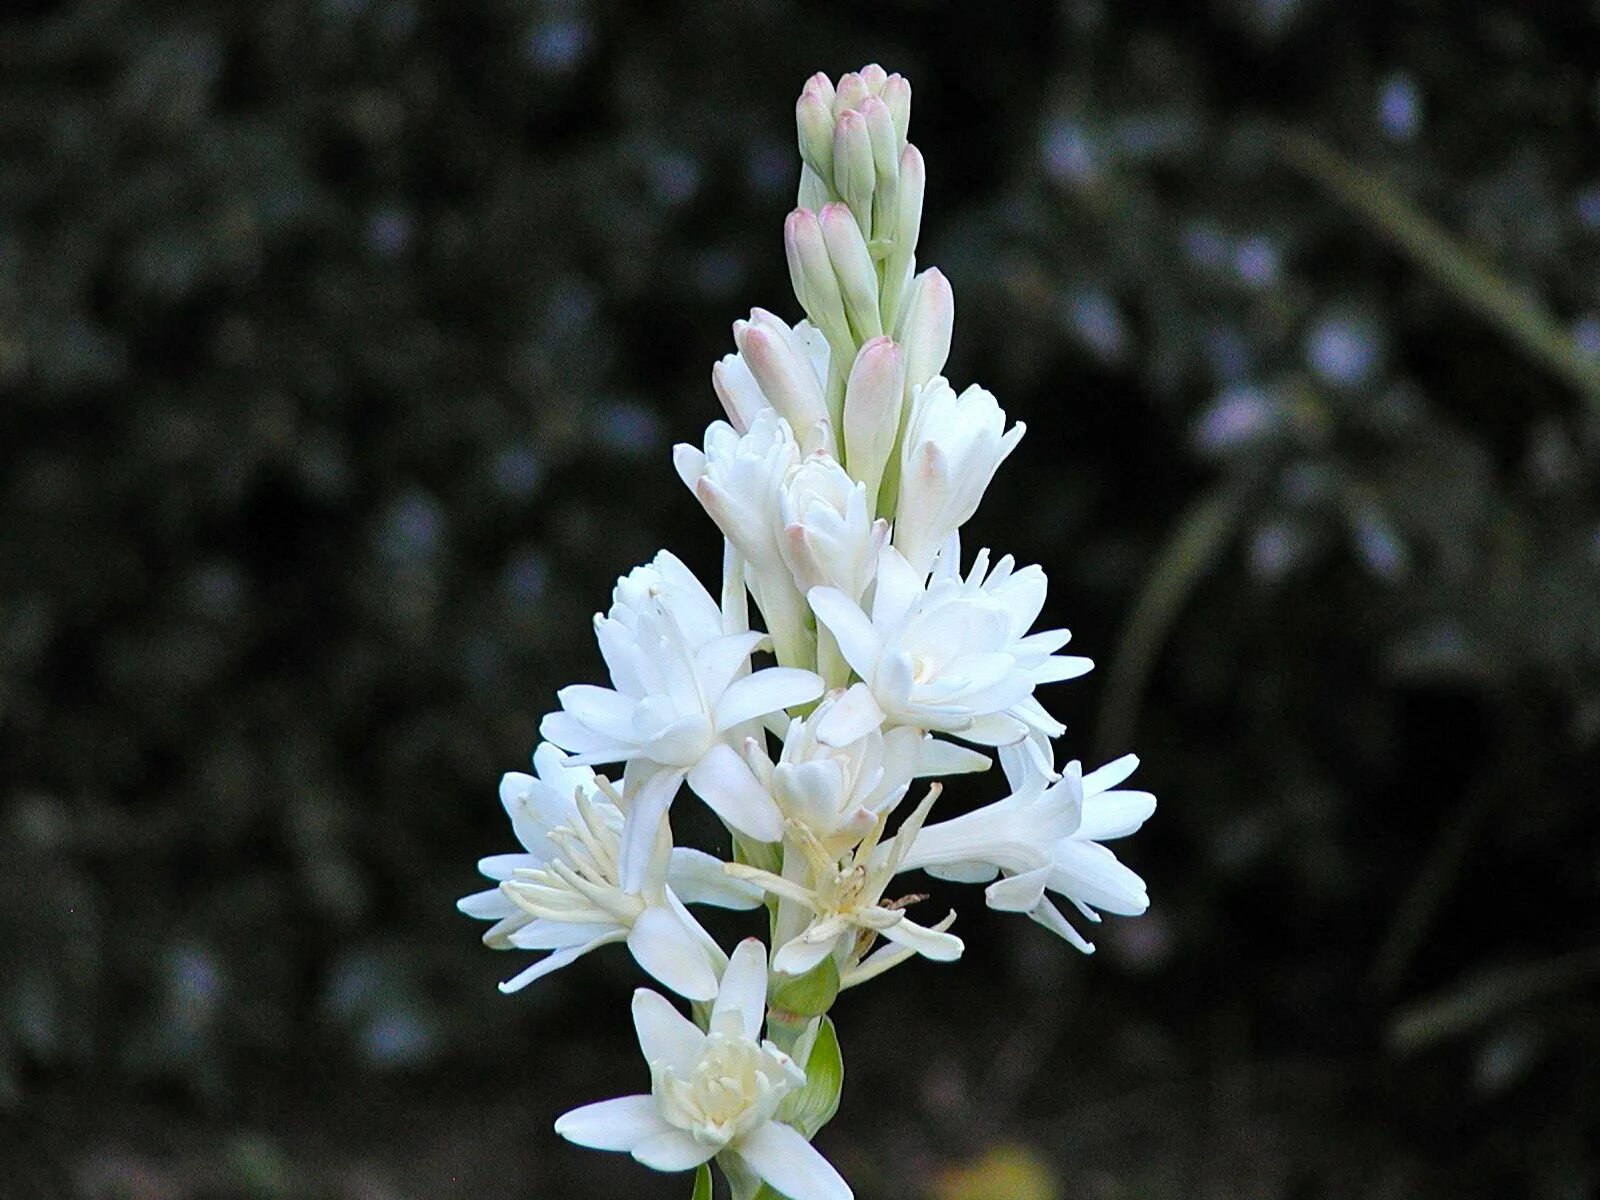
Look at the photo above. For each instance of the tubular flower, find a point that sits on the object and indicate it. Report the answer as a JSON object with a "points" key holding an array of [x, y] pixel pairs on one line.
{"points": [[777, 366], [844, 900], [953, 446], [713, 1092], [680, 688], [1044, 837], [953, 654], [563, 893]]}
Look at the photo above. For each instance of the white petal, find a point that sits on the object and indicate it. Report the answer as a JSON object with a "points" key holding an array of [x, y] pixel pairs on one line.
{"points": [[725, 782], [766, 691], [619, 1124], [666, 1036], [672, 954], [674, 1150], [721, 659], [1114, 814], [554, 962], [1103, 779], [963, 872], [698, 878], [1050, 917], [487, 906], [500, 867], [930, 943], [849, 718], [643, 822], [1087, 871], [798, 955], [782, 1157], [586, 746], [607, 712], [541, 933], [858, 640], [1060, 667], [935, 757], [1018, 893], [744, 987]]}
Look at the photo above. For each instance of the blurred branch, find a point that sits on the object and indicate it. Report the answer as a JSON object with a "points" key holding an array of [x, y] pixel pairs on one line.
{"points": [[1382, 206], [1194, 546], [1491, 994], [1421, 904]]}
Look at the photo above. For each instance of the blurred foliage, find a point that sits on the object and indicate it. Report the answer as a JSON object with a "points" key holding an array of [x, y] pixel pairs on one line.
{"points": [[341, 346]]}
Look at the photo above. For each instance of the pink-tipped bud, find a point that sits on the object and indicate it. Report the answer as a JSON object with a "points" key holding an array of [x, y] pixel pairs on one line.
{"points": [[852, 266], [872, 404], [811, 273], [925, 328]]}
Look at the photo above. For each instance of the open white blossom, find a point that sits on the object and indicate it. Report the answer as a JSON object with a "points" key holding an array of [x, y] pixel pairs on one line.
{"points": [[737, 477], [680, 688], [829, 537], [563, 894], [1044, 837], [781, 367], [844, 898], [953, 655], [953, 445], [712, 1092]]}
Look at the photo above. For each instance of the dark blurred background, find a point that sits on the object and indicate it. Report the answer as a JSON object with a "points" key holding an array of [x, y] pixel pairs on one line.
{"points": [[342, 346]]}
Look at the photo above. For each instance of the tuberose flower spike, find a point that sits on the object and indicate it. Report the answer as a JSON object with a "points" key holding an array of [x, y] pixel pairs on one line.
{"points": [[839, 481]]}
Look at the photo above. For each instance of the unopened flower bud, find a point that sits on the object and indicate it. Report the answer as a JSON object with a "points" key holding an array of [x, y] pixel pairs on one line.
{"points": [[811, 273], [782, 366], [907, 227], [852, 265], [872, 405], [953, 446], [813, 118], [897, 95], [925, 326], [854, 175]]}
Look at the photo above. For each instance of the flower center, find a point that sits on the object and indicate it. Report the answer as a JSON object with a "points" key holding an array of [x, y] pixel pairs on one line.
{"points": [[581, 883]]}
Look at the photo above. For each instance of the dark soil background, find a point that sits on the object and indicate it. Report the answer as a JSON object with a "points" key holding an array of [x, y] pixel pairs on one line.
{"points": [[342, 346]]}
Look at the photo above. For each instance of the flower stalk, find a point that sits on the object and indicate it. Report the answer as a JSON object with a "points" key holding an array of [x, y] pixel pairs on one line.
{"points": [[847, 655]]}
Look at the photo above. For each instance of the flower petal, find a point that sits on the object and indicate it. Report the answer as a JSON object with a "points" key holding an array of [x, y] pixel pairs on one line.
{"points": [[851, 717], [782, 1157], [698, 878], [930, 943], [744, 987], [767, 691], [651, 800], [619, 1124], [672, 954], [725, 782], [666, 1036], [1113, 814], [674, 1150], [858, 640], [554, 962], [1018, 893]]}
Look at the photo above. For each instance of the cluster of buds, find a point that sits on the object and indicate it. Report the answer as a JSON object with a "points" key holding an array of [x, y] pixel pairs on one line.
{"points": [[840, 480]]}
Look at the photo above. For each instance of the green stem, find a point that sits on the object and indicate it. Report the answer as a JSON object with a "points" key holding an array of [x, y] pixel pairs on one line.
{"points": [[1518, 315]]}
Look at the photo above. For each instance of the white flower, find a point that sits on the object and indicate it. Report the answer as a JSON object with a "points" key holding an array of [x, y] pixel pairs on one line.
{"points": [[1045, 837], [563, 894], [845, 899], [681, 687], [952, 655], [780, 367], [953, 445], [829, 536], [712, 1092], [737, 478]]}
